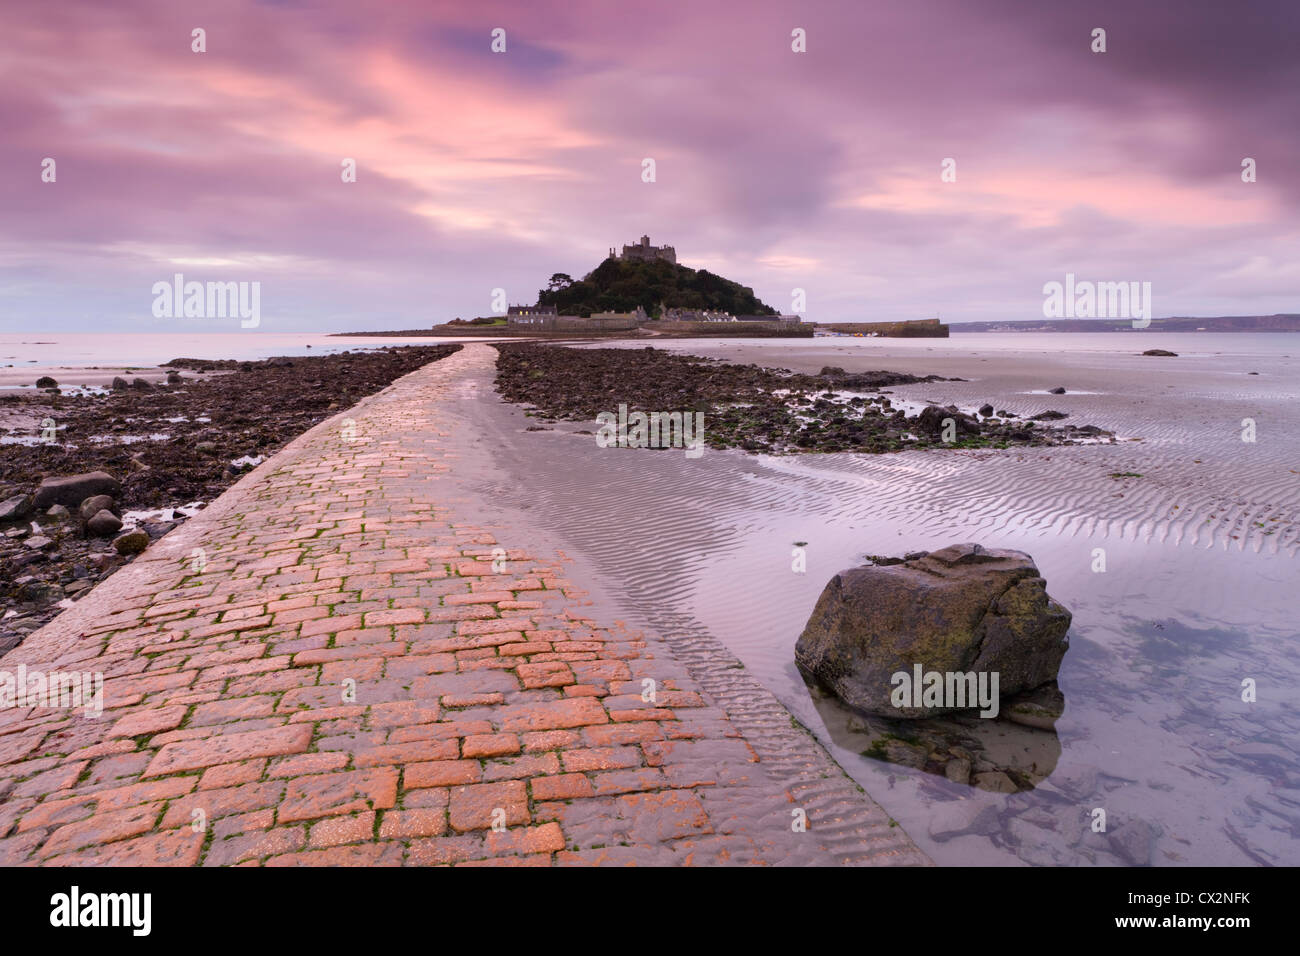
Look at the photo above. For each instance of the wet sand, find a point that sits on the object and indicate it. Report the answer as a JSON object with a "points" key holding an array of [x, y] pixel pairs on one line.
{"points": [[1196, 596], [23, 377]]}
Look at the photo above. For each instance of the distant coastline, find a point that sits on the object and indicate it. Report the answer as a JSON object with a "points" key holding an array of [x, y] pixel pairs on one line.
{"points": [[1282, 322]]}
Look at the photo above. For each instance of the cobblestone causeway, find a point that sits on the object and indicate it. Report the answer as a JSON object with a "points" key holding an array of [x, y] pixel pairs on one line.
{"points": [[327, 667]]}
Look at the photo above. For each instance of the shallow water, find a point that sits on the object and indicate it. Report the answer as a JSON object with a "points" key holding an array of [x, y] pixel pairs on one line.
{"points": [[32, 353], [1197, 595]]}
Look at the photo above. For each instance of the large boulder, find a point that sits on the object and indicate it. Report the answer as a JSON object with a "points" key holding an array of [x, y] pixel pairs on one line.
{"points": [[73, 490], [962, 609]]}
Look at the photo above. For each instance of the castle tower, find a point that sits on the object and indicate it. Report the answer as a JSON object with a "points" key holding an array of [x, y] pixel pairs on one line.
{"points": [[643, 251]]}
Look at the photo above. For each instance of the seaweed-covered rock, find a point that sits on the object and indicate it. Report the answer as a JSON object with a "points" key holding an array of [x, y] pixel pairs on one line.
{"points": [[133, 542], [961, 609]]}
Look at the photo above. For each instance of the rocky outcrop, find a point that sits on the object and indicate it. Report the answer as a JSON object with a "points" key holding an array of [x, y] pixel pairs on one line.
{"points": [[960, 610]]}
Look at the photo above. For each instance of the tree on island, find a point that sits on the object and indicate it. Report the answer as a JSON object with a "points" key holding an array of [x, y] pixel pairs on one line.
{"points": [[620, 285]]}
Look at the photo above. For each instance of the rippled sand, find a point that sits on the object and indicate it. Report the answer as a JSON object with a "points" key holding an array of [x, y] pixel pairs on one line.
{"points": [[1197, 594]]}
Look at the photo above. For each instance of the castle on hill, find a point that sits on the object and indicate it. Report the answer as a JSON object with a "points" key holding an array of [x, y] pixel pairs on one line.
{"points": [[643, 251], [547, 318]]}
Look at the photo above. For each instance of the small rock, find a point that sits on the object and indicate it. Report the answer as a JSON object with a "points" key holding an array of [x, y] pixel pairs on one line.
{"points": [[58, 512], [1074, 783], [1160, 352], [1031, 714], [1263, 752], [15, 508], [932, 419], [1035, 844], [174, 377], [120, 384], [1059, 390], [1050, 415], [957, 770], [46, 382], [133, 542], [962, 817], [140, 384], [206, 447], [98, 562], [995, 782], [38, 542], [904, 754], [1133, 841], [104, 524], [42, 592], [94, 505], [986, 410]]}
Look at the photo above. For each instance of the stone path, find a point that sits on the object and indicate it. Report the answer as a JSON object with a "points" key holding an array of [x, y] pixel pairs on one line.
{"points": [[326, 667]]}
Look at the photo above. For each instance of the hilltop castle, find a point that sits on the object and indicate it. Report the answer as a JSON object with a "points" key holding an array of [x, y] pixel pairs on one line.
{"points": [[644, 251]]}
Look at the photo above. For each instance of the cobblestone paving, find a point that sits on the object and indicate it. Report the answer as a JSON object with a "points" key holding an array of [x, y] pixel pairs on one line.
{"points": [[326, 667]]}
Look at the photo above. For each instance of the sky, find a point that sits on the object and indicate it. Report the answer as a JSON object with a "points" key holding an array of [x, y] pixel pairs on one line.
{"points": [[479, 170]]}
